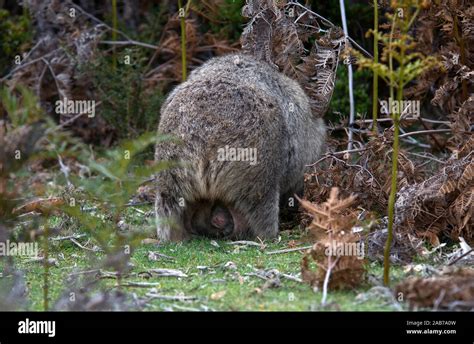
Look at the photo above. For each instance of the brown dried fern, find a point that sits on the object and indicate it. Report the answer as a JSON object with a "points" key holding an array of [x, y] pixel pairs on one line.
{"points": [[443, 205], [453, 289], [338, 252], [277, 33]]}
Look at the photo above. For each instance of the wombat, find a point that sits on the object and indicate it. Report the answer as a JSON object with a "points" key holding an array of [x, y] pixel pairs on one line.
{"points": [[245, 134]]}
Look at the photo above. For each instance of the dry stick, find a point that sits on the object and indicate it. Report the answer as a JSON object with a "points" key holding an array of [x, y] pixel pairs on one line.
{"points": [[131, 42], [23, 65], [65, 170], [292, 278], [60, 92], [332, 154], [416, 143], [330, 24], [327, 22], [97, 20], [34, 48], [434, 121], [85, 272], [427, 157], [139, 211], [40, 82], [455, 304], [344, 152], [439, 145], [301, 16], [116, 206], [171, 297], [420, 132], [186, 309], [245, 242], [162, 255], [159, 48], [362, 168], [350, 78], [326, 279], [82, 246], [461, 256], [290, 250], [141, 284], [404, 119], [68, 237]]}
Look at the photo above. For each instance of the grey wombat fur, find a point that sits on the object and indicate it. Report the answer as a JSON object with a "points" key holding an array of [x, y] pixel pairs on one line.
{"points": [[238, 102]]}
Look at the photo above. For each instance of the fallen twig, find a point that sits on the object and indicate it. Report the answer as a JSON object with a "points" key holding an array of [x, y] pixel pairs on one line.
{"points": [[461, 257], [171, 297], [85, 272], [292, 278], [140, 284], [152, 255], [246, 243], [68, 237], [286, 250], [421, 132], [330, 24], [77, 243], [326, 279], [167, 273], [131, 42]]}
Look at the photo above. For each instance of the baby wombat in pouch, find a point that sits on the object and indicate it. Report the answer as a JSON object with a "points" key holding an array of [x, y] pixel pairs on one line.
{"points": [[246, 133]]}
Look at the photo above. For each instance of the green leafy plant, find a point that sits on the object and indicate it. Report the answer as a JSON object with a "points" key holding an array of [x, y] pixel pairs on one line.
{"points": [[399, 65], [21, 133], [117, 176], [16, 34], [223, 17], [130, 104]]}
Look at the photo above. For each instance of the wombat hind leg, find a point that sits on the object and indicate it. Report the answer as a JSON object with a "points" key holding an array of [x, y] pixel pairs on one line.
{"points": [[169, 226], [263, 218], [289, 205]]}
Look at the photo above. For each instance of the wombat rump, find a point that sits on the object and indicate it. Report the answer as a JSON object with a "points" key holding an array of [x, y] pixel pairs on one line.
{"points": [[244, 135]]}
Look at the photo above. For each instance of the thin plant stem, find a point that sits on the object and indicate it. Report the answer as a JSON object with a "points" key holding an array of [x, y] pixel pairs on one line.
{"points": [[375, 82], [114, 32], [46, 270], [393, 188], [183, 38]]}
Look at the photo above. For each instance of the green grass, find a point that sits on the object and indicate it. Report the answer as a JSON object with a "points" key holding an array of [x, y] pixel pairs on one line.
{"points": [[243, 292]]}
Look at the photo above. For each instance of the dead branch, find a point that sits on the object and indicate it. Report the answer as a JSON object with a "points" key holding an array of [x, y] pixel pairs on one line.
{"points": [[295, 249]]}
